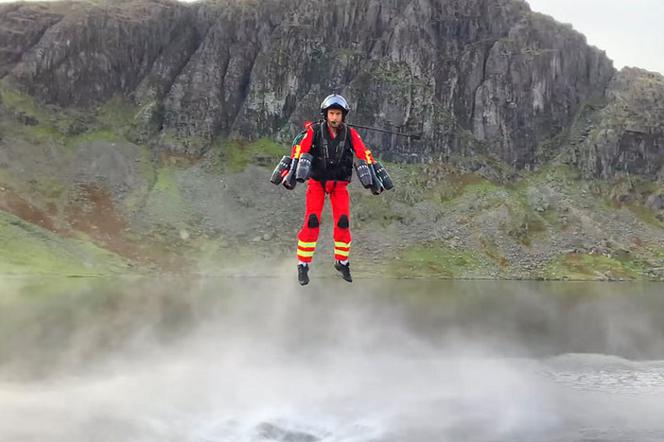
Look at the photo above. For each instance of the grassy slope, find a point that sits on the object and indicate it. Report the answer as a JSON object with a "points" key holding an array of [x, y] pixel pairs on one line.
{"points": [[26, 248], [441, 189]]}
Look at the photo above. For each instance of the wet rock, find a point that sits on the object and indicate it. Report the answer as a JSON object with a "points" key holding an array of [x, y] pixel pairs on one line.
{"points": [[655, 201], [271, 432]]}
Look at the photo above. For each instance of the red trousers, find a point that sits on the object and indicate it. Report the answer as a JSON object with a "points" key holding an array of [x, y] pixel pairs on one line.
{"points": [[316, 190]]}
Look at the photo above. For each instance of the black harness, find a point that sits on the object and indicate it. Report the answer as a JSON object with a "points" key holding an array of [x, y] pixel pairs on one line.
{"points": [[333, 157]]}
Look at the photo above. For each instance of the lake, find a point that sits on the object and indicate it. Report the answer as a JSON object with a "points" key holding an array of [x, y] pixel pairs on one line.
{"points": [[262, 359]]}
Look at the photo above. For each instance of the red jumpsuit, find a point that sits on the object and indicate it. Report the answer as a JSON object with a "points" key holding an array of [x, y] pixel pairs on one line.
{"points": [[315, 199]]}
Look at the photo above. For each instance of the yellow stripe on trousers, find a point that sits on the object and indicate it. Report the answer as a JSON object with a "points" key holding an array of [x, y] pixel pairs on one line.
{"points": [[305, 254]]}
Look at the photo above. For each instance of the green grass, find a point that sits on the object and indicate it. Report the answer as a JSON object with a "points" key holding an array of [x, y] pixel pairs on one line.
{"points": [[165, 204], [435, 261], [146, 169], [50, 188], [589, 267], [5, 177], [630, 193], [213, 255], [482, 188], [12, 98], [524, 226], [87, 137], [371, 208], [237, 155], [111, 121], [438, 183], [166, 182], [117, 112], [28, 249], [645, 214]]}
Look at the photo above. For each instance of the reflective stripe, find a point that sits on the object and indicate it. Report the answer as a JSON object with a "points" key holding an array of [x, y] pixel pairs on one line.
{"points": [[298, 147], [341, 252], [308, 245], [305, 254], [342, 244]]}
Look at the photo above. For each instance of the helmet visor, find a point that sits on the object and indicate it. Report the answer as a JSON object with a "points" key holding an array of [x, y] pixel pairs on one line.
{"points": [[335, 101]]}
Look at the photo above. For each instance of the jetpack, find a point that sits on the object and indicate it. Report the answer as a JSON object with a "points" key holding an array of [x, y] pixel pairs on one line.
{"points": [[286, 172], [372, 176]]}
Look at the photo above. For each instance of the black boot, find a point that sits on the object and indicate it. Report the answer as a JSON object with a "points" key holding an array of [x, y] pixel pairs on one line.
{"points": [[344, 270], [303, 274]]}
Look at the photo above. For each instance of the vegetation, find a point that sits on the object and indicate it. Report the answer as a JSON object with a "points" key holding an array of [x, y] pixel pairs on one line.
{"points": [[27, 248], [575, 266], [434, 260], [524, 220], [236, 155]]}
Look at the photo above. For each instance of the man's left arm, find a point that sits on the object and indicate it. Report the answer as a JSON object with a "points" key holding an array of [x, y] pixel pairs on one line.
{"points": [[361, 151], [365, 172]]}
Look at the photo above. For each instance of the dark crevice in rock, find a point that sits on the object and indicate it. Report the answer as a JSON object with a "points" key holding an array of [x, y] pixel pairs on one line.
{"points": [[245, 86], [176, 35], [219, 123], [191, 49], [487, 54]]}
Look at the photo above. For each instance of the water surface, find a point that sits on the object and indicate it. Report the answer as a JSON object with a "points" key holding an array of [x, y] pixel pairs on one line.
{"points": [[209, 359]]}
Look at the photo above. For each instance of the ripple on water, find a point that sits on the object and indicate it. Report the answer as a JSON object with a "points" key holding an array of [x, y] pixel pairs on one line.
{"points": [[607, 373]]}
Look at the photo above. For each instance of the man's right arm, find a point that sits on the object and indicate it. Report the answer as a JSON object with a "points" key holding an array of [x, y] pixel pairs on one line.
{"points": [[304, 146]]}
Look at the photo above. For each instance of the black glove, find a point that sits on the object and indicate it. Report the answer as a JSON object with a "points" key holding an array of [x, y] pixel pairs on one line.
{"points": [[381, 173], [281, 170], [289, 180], [363, 173], [376, 183]]}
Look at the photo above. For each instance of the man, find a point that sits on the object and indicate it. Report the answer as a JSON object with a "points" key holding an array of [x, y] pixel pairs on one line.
{"points": [[325, 157]]}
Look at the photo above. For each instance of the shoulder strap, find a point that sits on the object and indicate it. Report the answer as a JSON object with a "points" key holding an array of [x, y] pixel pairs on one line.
{"points": [[343, 143], [323, 144], [298, 138]]}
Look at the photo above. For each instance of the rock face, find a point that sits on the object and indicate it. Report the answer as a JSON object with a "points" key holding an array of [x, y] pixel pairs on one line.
{"points": [[626, 137], [89, 53], [21, 28], [479, 78]]}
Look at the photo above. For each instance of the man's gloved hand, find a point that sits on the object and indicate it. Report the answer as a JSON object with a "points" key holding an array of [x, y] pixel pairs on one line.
{"points": [[377, 190], [376, 183], [289, 179], [281, 170], [289, 182]]}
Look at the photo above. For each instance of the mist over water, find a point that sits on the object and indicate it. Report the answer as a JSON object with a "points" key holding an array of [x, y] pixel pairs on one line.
{"points": [[227, 360]]}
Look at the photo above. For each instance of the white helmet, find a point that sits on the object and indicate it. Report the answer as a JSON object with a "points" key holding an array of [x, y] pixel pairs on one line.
{"points": [[334, 101]]}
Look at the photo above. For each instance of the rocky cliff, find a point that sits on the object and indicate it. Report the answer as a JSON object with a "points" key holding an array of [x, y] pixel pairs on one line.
{"points": [[479, 78], [133, 134]]}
